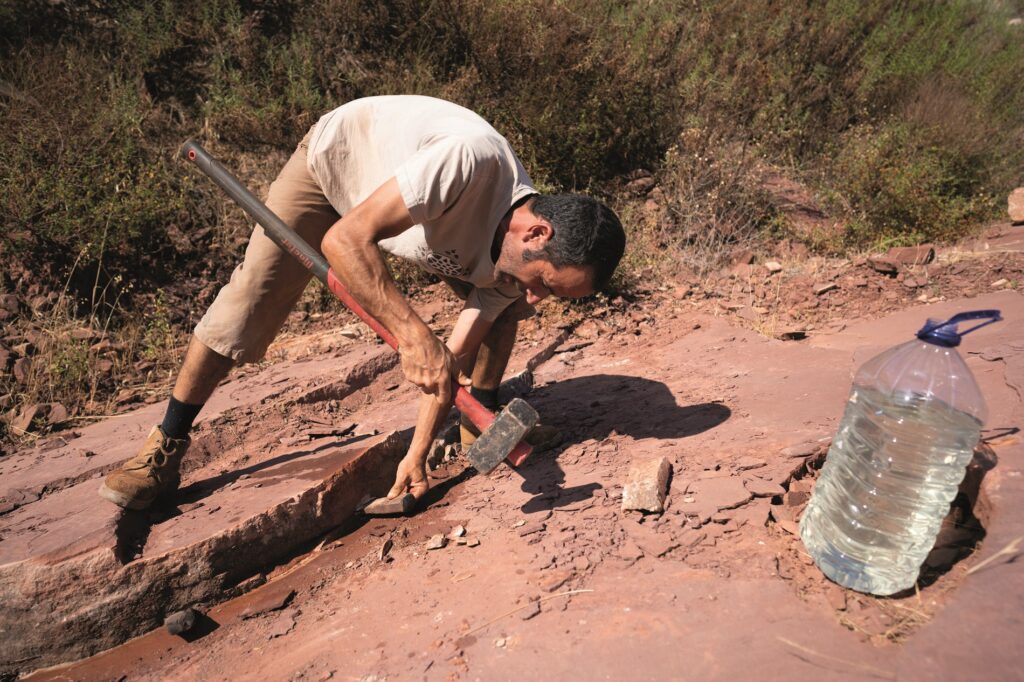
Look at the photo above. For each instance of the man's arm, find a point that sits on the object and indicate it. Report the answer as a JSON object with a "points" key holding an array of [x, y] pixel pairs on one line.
{"points": [[464, 342], [351, 249]]}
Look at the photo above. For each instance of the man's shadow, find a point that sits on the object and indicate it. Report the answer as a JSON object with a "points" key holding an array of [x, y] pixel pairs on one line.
{"points": [[595, 406]]}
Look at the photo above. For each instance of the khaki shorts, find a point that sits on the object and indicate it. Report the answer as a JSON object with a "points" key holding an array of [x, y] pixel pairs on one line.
{"points": [[252, 307]]}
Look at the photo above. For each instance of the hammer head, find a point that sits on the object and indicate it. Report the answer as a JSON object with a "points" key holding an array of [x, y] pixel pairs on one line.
{"points": [[510, 426]]}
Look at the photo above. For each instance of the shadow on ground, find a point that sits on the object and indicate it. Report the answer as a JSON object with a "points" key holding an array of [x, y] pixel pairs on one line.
{"points": [[595, 407]]}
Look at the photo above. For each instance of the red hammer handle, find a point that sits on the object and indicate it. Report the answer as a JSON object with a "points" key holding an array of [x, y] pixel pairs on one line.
{"points": [[467, 404]]}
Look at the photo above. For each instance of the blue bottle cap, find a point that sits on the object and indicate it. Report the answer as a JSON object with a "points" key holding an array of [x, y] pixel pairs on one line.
{"points": [[946, 334]]}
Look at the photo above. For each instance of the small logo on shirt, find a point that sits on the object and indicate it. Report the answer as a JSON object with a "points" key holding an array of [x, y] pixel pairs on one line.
{"points": [[446, 263]]}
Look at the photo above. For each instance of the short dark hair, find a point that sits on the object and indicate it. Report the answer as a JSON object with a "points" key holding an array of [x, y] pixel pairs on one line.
{"points": [[585, 233]]}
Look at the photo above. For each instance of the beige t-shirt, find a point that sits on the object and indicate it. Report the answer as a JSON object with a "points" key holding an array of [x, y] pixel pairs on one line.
{"points": [[457, 175]]}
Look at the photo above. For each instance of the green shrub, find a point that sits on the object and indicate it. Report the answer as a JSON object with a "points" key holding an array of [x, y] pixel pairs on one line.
{"points": [[79, 179], [96, 98], [902, 190]]}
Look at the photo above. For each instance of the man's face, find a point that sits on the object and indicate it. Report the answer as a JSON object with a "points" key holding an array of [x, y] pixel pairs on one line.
{"points": [[538, 279]]}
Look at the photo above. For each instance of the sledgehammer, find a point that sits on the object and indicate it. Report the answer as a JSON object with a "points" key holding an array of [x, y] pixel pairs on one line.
{"points": [[501, 436]]}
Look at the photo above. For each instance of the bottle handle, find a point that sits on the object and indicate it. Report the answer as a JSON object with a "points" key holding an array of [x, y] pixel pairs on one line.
{"points": [[946, 334]]}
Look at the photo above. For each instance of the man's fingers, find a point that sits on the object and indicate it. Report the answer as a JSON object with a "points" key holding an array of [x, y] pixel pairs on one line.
{"points": [[396, 490]]}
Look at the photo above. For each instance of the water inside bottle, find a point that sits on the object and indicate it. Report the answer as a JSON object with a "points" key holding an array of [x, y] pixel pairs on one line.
{"points": [[892, 471]]}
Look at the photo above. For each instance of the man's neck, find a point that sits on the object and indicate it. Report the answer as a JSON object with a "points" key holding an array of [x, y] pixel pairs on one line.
{"points": [[506, 221], [499, 235]]}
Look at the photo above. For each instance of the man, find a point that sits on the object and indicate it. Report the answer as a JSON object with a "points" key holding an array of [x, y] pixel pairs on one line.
{"points": [[425, 180]]}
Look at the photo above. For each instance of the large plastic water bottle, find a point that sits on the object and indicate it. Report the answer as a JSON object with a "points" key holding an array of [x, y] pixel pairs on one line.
{"points": [[911, 424]]}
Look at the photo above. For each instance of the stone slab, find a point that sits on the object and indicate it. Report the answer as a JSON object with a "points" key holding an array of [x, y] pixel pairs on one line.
{"points": [[678, 616], [104, 445], [78, 575]]}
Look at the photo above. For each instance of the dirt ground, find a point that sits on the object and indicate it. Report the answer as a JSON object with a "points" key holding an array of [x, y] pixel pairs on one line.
{"points": [[737, 380]]}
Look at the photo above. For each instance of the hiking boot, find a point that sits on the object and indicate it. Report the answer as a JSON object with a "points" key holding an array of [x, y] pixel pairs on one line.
{"points": [[543, 437], [149, 474]]}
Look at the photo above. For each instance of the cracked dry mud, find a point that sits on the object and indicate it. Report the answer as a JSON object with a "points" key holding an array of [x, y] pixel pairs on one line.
{"points": [[554, 580]]}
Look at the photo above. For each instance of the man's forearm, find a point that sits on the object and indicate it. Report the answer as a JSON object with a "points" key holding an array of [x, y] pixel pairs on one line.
{"points": [[465, 339], [361, 268], [428, 420]]}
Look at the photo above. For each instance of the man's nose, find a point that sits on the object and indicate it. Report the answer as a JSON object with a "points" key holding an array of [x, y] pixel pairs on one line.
{"points": [[534, 297]]}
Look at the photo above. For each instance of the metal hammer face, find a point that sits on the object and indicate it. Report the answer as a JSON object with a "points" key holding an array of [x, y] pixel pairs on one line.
{"points": [[510, 426]]}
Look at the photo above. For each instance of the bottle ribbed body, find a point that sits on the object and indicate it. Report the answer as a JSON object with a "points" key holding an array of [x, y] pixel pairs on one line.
{"points": [[911, 423]]}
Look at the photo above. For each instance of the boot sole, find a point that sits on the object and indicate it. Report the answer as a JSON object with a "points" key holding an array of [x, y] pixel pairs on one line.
{"points": [[122, 500]]}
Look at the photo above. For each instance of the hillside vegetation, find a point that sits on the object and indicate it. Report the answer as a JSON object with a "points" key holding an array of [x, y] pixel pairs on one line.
{"points": [[903, 117]]}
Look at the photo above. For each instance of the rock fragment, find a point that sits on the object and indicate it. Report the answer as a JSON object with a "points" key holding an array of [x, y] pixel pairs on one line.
{"points": [[457, 532], [1015, 205], [653, 543], [798, 495], [29, 417], [716, 494], [84, 334], [283, 624], [824, 287], [20, 370], [748, 462], [437, 542], [382, 506], [912, 255], [836, 596], [531, 529], [646, 486], [58, 413], [805, 449], [884, 265], [761, 488], [554, 580], [742, 257], [9, 302], [266, 601], [180, 622], [912, 282], [640, 185], [773, 266], [530, 611]]}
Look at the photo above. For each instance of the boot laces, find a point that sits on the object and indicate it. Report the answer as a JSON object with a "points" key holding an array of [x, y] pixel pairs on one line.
{"points": [[156, 460]]}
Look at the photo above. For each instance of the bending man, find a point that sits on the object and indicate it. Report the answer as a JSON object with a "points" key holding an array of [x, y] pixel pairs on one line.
{"points": [[427, 181]]}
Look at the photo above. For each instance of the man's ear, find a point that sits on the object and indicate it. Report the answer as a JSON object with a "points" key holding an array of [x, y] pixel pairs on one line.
{"points": [[539, 232]]}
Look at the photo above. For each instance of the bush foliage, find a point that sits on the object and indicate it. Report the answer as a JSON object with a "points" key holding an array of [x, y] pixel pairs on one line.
{"points": [[908, 112]]}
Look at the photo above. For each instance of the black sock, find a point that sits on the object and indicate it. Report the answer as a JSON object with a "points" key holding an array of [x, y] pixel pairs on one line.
{"points": [[178, 418], [488, 397]]}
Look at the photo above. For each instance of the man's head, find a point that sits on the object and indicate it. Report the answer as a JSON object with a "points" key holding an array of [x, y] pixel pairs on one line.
{"points": [[566, 245]]}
